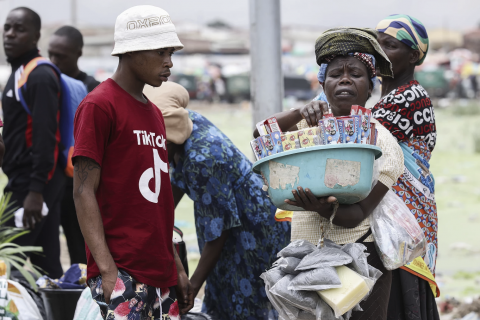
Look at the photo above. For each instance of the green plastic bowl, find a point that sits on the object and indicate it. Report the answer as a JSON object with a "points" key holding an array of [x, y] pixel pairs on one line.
{"points": [[342, 170]]}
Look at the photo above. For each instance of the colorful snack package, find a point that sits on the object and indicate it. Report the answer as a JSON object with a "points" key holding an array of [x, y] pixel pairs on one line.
{"points": [[329, 127], [288, 141], [316, 136], [257, 149], [364, 128], [371, 137], [359, 111], [272, 143], [271, 125], [348, 130], [307, 137], [341, 130], [356, 122], [365, 116], [268, 145], [261, 128]]}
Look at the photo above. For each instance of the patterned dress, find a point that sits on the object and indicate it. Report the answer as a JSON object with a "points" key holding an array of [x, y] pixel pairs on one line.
{"points": [[408, 113], [227, 195]]}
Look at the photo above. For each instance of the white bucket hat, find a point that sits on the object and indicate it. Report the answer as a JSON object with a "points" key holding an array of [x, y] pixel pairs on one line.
{"points": [[144, 28]]}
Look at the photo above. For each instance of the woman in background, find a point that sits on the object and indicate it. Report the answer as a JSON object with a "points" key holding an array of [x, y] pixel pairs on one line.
{"points": [[406, 110]]}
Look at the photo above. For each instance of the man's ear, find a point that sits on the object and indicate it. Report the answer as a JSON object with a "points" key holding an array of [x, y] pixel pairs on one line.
{"points": [[414, 56]]}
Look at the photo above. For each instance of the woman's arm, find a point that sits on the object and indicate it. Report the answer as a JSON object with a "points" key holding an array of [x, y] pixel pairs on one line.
{"points": [[210, 254], [348, 216], [311, 112]]}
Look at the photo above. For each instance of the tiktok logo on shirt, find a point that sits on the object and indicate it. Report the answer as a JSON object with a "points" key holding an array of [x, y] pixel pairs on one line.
{"points": [[149, 139]]}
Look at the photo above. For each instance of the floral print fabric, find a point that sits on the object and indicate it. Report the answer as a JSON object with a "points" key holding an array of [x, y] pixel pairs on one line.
{"points": [[132, 300], [227, 195]]}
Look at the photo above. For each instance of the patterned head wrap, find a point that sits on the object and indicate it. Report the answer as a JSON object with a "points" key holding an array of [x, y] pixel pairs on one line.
{"points": [[367, 59], [408, 30], [343, 41]]}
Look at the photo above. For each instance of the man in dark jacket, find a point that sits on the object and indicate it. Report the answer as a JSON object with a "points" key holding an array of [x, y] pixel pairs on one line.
{"points": [[64, 50], [32, 142]]}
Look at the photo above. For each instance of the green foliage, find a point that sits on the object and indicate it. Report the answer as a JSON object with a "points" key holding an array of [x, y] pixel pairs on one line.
{"points": [[13, 254]]}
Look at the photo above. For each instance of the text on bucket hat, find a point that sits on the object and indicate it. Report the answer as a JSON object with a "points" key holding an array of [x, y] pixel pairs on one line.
{"points": [[172, 99], [144, 28]]}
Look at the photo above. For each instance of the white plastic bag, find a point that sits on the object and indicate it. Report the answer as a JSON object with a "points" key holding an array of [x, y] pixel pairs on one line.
{"points": [[16, 303], [398, 237], [87, 308]]}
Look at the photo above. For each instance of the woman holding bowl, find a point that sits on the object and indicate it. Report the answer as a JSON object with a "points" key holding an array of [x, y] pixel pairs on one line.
{"points": [[348, 59]]}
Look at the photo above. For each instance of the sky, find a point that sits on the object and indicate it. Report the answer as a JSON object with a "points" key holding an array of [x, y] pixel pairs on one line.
{"points": [[454, 14]]}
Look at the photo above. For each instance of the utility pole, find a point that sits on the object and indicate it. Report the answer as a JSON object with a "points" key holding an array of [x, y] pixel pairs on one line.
{"points": [[266, 82], [73, 12]]}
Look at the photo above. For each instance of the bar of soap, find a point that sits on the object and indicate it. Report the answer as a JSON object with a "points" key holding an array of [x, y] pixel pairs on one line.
{"points": [[353, 289]]}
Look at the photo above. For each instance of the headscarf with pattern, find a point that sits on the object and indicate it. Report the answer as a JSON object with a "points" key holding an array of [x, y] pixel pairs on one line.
{"points": [[343, 41], [408, 30]]}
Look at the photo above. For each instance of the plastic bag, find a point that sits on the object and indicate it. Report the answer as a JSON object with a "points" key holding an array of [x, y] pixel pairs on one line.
{"points": [[304, 300], [398, 237], [316, 279], [324, 312], [285, 311], [324, 257], [288, 265], [297, 249], [359, 257], [87, 308], [16, 303]]}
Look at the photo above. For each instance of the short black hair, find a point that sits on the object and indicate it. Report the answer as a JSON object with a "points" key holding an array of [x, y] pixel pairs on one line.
{"points": [[73, 35], [35, 18]]}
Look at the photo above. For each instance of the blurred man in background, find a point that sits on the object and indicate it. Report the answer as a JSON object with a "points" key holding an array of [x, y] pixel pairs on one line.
{"points": [[32, 140], [64, 50]]}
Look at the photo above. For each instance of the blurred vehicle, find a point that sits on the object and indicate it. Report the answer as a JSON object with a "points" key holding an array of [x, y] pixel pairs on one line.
{"points": [[298, 87], [434, 81]]}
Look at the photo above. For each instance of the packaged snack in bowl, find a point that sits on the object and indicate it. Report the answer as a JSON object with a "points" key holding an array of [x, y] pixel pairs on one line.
{"points": [[308, 137], [348, 130], [271, 125], [258, 148], [330, 132], [262, 130], [372, 134], [277, 140], [288, 141], [272, 143]]}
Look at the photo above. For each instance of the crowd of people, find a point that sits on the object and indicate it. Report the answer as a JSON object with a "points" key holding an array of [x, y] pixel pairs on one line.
{"points": [[138, 151]]}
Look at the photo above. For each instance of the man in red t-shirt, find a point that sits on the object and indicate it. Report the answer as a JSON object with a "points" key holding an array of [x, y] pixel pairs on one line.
{"points": [[122, 188]]}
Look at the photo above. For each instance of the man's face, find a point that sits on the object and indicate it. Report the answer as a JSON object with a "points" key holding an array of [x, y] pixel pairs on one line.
{"points": [[64, 54], [152, 66], [19, 34]]}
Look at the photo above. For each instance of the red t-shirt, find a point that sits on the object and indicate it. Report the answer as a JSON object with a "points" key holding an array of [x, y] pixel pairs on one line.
{"points": [[127, 138]]}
